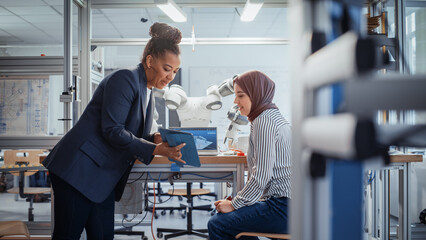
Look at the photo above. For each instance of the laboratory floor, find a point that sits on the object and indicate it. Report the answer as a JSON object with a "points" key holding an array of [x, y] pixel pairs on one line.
{"points": [[12, 209]]}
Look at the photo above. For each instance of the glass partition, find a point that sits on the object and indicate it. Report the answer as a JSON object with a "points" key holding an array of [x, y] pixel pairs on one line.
{"points": [[416, 57], [416, 39], [34, 28], [31, 72]]}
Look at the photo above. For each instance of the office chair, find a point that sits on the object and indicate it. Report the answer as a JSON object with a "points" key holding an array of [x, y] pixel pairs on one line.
{"points": [[158, 193], [25, 158], [212, 194], [9, 228], [188, 193]]}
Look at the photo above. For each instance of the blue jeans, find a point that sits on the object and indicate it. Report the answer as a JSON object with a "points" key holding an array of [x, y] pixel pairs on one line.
{"points": [[264, 216]]}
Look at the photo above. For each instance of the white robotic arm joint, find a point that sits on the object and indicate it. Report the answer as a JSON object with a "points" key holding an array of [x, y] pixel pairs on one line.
{"points": [[175, 97], [196, 111], [236, 119]]}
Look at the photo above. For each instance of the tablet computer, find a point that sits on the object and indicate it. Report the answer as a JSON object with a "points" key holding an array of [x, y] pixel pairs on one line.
{"points": [[189, 151]]}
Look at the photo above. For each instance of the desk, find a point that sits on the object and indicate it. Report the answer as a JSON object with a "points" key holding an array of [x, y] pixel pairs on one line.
{"points": [[213, 169], [22, 171], [212, 166]]}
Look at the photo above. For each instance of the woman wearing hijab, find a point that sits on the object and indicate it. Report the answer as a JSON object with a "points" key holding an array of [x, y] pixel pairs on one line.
{"points": [[261, 206]]}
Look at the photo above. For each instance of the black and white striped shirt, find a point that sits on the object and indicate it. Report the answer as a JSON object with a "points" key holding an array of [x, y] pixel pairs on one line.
{"points": [[268, 159]]}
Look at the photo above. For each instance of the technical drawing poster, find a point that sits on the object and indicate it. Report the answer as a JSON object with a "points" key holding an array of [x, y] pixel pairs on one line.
{"points": [[24, 106]]}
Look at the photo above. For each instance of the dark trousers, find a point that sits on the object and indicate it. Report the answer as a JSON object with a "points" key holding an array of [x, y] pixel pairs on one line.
{"points": [[268, 216], [74, 212]]}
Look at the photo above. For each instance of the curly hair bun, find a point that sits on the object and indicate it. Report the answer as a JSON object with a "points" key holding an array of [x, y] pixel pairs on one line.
{"points": [[164, 31]]}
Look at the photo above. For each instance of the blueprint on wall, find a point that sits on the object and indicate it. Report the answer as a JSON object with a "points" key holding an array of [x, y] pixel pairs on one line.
{"points": [[24, 106]]}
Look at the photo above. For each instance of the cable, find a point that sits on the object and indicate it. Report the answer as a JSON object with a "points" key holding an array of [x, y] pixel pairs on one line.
{"points": [[152, 216], [137, 178], [204, 199], [170, 196], [146, 205], [198, 175], [148, 175], [194, 174], [143, 218], [166, 179], [159, 178]]}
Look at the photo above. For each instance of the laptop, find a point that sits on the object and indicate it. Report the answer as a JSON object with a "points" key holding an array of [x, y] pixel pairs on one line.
{"points": [[205, 139]]}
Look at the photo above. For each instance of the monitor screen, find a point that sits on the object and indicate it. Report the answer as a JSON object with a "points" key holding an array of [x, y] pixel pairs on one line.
{"points": [[205, 137]]}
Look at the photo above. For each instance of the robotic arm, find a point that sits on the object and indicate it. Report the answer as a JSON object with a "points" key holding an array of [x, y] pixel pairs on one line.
{"points": [[236, 120], [175, 97], [196, 111]]}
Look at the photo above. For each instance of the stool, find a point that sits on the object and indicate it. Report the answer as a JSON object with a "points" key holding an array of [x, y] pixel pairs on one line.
{"points": [[29, 193], [268, 235], [27, 158], [8, 228], [188, 193]]}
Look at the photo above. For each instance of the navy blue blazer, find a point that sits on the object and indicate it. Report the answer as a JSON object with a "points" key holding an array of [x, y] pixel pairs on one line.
{"points": [[96, 155]]}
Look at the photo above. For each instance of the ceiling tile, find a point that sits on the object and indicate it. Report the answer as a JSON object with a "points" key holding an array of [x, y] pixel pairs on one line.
{"points": [[42, 10], [4, 11], [117, 23], [3, 33], [59, 9], [14, 3], [5, 20], [8, 40], [17, 26], [43, 18], [51, 26]]}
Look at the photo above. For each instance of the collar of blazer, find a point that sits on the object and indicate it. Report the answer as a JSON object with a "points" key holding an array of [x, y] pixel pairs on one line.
{"points": [[143, 87], [146, 103]]}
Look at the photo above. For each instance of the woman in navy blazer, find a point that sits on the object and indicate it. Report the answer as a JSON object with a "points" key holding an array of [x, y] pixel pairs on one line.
{"points": [[90, 165]]}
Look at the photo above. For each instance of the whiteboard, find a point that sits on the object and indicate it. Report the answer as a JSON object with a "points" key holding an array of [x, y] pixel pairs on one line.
{"points": [[200, 78]]}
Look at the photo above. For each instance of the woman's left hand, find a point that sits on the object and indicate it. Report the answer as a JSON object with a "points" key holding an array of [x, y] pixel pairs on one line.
{"points": [[157, 138], [224, 206]]}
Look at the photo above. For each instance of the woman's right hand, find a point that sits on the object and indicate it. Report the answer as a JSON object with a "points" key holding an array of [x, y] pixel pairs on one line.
{"points": [[174, 153]]}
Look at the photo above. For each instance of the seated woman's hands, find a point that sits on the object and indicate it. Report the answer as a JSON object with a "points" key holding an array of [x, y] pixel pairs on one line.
{"points": [[224, 206]]}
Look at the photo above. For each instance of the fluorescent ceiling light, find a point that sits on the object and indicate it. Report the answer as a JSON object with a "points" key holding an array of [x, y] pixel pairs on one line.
{"points": [[251, 9], [172, 10]]}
